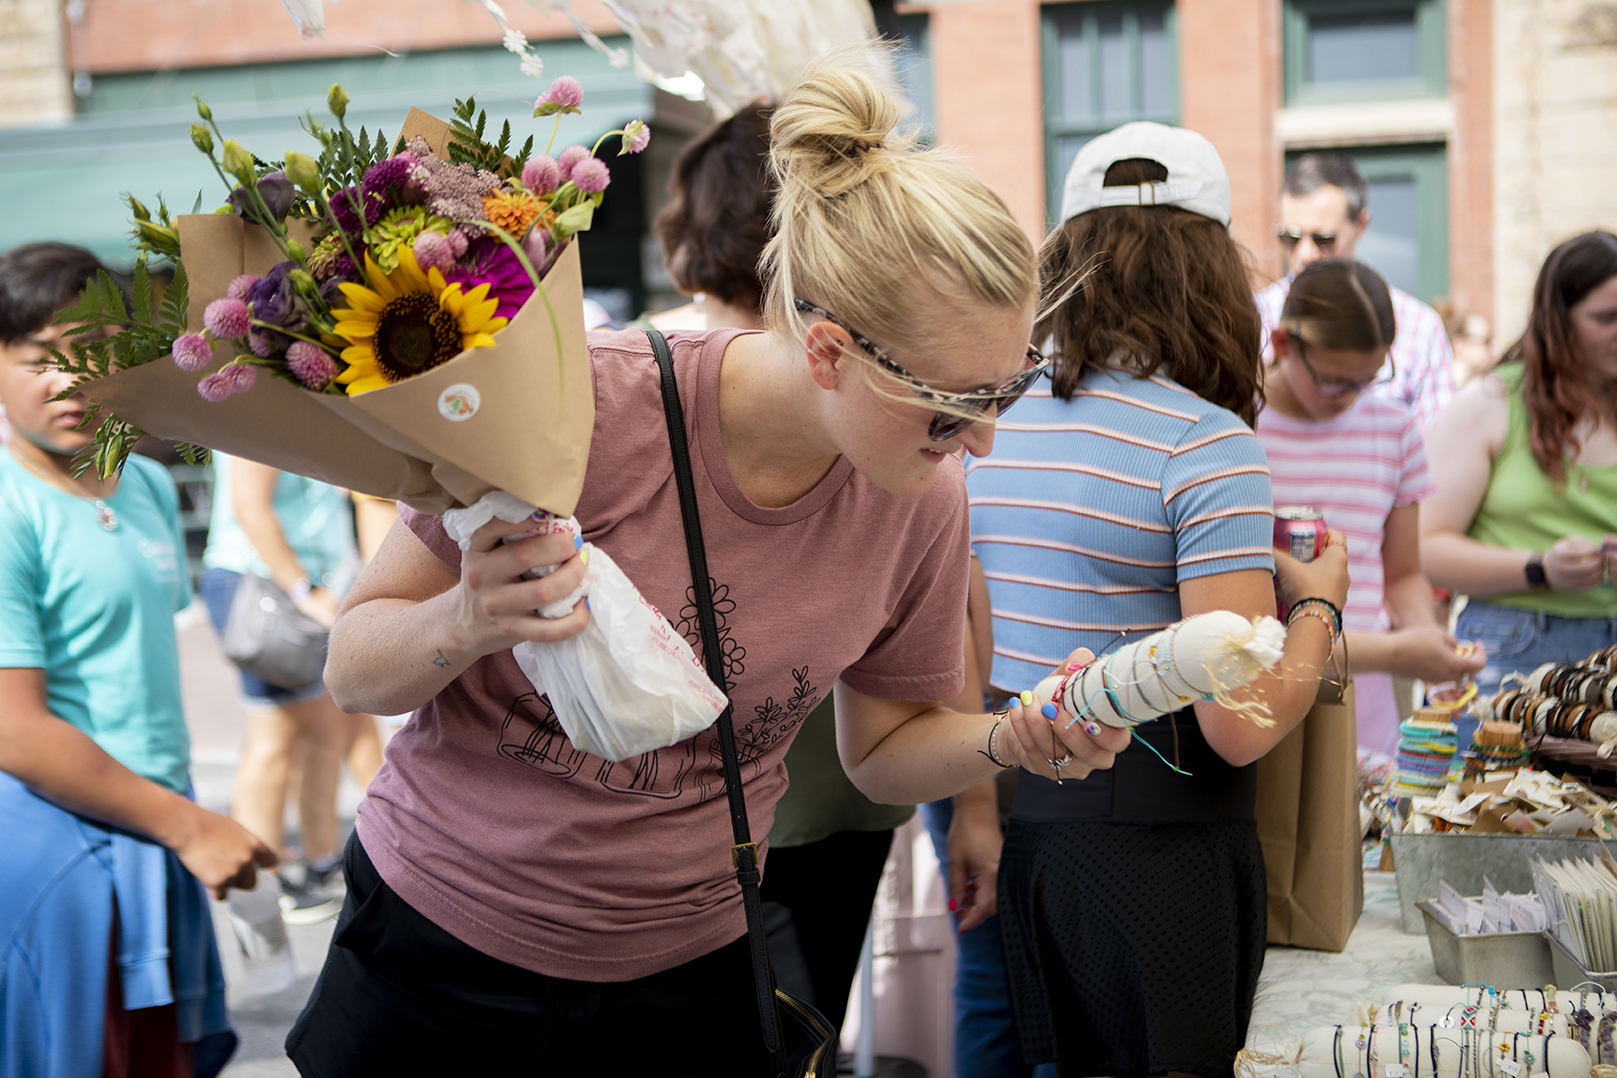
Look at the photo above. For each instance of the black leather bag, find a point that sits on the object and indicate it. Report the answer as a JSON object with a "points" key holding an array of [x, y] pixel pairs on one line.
{"points": [[270, 638], [801, 1042]]}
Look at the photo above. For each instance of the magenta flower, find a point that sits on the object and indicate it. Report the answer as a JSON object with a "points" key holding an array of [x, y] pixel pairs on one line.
{"points": [[238, 288], [233, 379], [571, 156], [636, 136], [492, 263], [227, 318], [311, 364], [565, 95], [383, 176], [541, 174], [433, 249], [192, 352], [591, 175]]}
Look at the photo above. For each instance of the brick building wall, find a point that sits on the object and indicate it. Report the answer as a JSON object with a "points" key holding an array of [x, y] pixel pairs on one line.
{"points": [[35, 84]]}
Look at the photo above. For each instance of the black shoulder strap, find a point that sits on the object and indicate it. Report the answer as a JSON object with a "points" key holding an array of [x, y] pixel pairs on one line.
{"points": [[744, 854]]}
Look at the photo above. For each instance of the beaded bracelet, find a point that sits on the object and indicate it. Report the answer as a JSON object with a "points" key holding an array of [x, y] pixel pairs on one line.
{"points": [[993, 732], [1312, 608]]}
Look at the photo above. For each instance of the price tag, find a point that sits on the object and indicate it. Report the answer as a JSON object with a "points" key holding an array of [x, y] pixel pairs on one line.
{"points": [[1395, 1070], [1510, 1066]]}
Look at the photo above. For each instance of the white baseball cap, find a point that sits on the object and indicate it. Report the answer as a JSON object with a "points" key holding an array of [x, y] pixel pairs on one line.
{"points": [[1196, 178]]}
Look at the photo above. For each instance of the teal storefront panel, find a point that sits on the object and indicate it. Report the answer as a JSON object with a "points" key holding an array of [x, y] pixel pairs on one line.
{"points": [[64, 183]]}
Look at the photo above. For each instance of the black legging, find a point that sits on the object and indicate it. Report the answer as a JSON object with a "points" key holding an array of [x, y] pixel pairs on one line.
{"points": [[817, 900]]}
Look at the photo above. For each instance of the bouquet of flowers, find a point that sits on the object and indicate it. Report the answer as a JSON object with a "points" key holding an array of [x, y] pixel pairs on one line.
{"points": [[407, 319]]}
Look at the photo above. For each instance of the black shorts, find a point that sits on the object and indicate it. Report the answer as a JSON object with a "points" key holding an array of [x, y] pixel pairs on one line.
{"points": [[400, 996]]}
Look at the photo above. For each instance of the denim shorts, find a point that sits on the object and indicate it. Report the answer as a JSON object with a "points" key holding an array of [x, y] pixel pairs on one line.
{"points": [[1520, 640], [217, 588]]}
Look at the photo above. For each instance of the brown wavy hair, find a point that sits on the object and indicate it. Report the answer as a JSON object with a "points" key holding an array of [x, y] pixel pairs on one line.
{"points": [[716, 223], [1163, 285], [1556, 388]]}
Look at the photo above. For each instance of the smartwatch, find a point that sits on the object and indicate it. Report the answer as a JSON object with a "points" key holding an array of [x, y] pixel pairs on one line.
{"points": [[1536, 580]]}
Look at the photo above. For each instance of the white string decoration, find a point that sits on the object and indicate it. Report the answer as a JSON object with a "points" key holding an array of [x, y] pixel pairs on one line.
{"points": [[1205, 657]]}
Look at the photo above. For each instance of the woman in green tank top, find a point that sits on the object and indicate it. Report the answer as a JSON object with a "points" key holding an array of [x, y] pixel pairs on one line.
{"points": [[1525, 459]]}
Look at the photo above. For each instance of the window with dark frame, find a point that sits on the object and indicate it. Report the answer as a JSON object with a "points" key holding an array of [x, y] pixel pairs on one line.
{"points": [[1106, 62]]}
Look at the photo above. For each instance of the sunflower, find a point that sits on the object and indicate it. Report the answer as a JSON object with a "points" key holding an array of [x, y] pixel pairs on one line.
{"points": [[408, 322]]}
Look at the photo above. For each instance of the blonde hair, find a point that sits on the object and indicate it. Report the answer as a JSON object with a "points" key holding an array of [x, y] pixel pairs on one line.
{"points": [[863, 218]]}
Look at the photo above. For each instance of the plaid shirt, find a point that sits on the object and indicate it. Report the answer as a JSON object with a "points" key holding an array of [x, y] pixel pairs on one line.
{"points": [[1425, 364]]}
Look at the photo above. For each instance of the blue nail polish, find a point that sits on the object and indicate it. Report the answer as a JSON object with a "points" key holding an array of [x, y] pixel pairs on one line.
{"points": [[1048, 711], [578, 542]]}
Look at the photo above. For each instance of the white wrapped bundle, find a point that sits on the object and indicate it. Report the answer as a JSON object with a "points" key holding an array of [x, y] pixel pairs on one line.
{"points": [[1334, 1050], [1201, 658]]}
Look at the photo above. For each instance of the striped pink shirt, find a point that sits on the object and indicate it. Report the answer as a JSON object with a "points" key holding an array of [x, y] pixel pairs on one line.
{"points": [[1356, 469]]}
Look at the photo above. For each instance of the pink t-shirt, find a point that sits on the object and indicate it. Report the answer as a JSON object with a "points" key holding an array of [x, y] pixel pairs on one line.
{"points": [[1356, 469], [489, 822]]}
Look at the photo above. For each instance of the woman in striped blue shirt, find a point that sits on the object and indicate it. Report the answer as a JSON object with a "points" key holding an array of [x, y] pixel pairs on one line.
{"points": [[1127, 493]]}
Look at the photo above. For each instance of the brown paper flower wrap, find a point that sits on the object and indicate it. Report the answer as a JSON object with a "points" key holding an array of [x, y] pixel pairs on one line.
{"points": [[515, 416]]}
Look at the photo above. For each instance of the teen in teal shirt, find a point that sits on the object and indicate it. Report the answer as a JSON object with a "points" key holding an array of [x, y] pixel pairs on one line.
{"points": [[88, 593], [105, 859]]}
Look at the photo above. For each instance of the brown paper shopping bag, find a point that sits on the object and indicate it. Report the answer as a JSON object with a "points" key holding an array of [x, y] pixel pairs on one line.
{"points": [[1308, 823], [515, 416]]}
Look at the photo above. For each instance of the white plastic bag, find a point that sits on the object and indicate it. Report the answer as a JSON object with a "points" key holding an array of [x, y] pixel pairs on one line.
{"points": [[628, 684]]}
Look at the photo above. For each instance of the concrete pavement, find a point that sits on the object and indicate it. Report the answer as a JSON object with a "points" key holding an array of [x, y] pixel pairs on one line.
{"points": [[214, 714]]}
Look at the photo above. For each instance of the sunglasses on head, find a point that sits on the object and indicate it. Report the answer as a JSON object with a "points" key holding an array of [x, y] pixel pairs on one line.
{"points": [[1331, 388], [1290, 237], [975, 404]]}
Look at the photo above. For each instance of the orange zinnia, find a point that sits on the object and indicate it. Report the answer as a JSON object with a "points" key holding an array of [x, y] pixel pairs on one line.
{"points": [[513, 211]]}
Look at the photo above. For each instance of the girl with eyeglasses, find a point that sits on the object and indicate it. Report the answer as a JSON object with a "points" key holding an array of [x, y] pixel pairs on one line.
{"points": [[1358, 458], [1126, 493], [1525, 517], [515, 902]]}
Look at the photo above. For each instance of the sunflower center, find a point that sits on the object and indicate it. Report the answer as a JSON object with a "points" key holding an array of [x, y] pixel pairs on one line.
{"points": [[413, 336]]}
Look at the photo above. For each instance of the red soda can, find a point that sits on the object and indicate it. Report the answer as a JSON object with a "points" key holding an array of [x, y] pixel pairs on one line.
{"points": [[1300, 531]]}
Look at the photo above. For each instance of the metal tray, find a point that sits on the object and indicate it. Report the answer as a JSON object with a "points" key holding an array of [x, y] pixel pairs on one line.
{"points": [[1501, 959], [1421, 861]]}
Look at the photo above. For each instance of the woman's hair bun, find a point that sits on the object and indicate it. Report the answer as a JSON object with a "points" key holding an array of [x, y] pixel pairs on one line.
{"points": [[834, 131]]}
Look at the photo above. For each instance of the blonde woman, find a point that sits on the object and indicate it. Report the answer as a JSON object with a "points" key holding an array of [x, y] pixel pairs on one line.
{"points": [[515, 902]]}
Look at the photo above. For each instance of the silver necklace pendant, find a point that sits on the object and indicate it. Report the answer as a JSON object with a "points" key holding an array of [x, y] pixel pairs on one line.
{"points": [[105, 516]]}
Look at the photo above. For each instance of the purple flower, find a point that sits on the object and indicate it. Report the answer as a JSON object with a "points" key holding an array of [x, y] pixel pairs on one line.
{"points": [[227, 318], [311, 364], [347, 204], [381, 177], [275, 300], [433, 249], [565, 95], [491, 262], [571, 156], [192, 352], [636, 136], [238, 288], [233, 379], [276, 191], [541, 174], [591, 175], [536, 245]]}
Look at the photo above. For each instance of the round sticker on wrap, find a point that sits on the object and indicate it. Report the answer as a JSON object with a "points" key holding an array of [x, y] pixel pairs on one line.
{"points": [[459, 402]]}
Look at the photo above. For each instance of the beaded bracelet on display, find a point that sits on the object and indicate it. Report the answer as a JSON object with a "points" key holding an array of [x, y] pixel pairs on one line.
{"points": [[1323, 609]]}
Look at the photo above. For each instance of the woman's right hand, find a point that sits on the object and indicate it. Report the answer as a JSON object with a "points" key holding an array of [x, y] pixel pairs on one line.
{"points": [[1326, 577], [221, 852], [498, 608], [1574, 564]]}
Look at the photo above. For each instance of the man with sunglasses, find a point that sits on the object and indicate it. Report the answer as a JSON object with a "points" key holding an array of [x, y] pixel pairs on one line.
{"points": [[1324, 212]]}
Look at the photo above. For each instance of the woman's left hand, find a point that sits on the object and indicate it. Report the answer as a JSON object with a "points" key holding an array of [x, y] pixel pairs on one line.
{"points": [[1053, 749]]}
